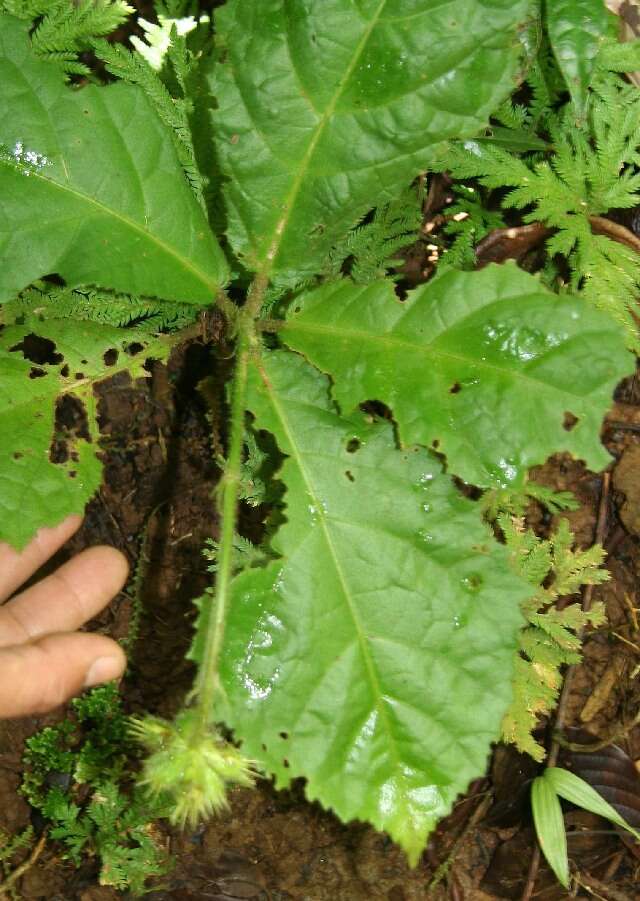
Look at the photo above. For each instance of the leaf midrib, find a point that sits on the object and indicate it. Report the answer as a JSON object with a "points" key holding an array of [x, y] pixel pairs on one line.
{"points": [[366, 655], [423, 349], [184, 262], [281, 224]]}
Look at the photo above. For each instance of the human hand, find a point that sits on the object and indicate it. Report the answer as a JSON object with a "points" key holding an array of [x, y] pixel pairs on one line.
{"points": [[43, 661]]}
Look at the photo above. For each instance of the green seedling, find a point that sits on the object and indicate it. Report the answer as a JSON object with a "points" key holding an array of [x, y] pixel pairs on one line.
{"points": [[546, 792], [268, 168]]}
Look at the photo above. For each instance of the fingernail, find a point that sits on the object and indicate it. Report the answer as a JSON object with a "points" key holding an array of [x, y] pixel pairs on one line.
{"points": [[104, 669]]}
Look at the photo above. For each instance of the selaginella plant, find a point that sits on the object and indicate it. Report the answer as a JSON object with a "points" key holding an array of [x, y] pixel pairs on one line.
{"points": [[371, 647], [78, 775]]}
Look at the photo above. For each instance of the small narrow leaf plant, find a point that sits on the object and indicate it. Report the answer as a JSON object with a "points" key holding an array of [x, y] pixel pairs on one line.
{"points": [[546, 791], [371, 643]]}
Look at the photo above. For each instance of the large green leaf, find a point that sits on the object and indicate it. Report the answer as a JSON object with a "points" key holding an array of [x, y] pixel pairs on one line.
{"points": [[374, 657], [40, 483], [485, 366], [91, 188], [576, 29], [329, 107]]}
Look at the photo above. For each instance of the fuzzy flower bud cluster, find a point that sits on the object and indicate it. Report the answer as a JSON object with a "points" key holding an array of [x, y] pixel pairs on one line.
{"points": [[192, 766]]}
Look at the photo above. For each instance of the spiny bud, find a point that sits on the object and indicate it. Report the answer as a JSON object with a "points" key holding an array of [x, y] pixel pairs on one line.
{"points": [[191, 765]]}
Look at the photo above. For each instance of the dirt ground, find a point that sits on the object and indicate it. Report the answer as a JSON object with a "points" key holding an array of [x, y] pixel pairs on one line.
{"points": [[274, 846]]}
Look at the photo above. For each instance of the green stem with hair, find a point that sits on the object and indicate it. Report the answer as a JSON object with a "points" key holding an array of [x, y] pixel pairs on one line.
{"points": [[189, 760], [208, 681]]}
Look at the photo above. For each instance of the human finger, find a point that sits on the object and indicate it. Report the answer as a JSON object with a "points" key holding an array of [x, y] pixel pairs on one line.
{"points": [[17, 566], [66, 599], [38, 677]]}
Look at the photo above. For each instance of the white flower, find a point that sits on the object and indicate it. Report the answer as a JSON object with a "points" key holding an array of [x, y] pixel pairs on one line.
{"points": [[159, 37]]}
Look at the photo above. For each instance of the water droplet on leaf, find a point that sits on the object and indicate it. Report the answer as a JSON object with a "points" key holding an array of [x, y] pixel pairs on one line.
{"points": [[472, 582]]}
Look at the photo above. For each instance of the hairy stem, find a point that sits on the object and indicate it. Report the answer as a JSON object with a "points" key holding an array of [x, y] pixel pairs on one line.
{"points": [[208, 680]]}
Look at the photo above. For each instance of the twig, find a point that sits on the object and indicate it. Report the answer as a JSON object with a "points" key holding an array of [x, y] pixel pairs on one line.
{"points": [[22, 869], [626, 641], [633, 611], [595, 886], [446, 865], [600, 225], [622, 426], [613, 738], [514, 242], [534, 866], [561, 711], [509, 243], [614, 866]]}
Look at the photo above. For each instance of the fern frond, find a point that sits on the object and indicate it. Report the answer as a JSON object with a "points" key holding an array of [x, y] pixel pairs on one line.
{"points": [[535, 696], [116, 828], [132, 68], [551, 639], [369, 250], [572, 569], [555, 501], [70, 828], [182, 61], [109, 308], [562, 625], [28, 9], [499, 501], [69, 27], [512, 115], [106, 806], [283, 289], [129, 853], [10, 845], [611, 280], [64, 29], [594, 167], [253, 488], [616, 56], [246, 556], [469, 222], [532, 557], [491, 165], [547, 85]]}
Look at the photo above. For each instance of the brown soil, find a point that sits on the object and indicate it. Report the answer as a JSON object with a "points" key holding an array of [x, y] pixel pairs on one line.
{"points": [[273, 846]]}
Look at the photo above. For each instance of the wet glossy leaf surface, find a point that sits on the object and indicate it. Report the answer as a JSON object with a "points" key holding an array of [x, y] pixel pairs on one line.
{"points": [[340, 107], [91, 188], [364, 658], [481, 365], [576, 29]]}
